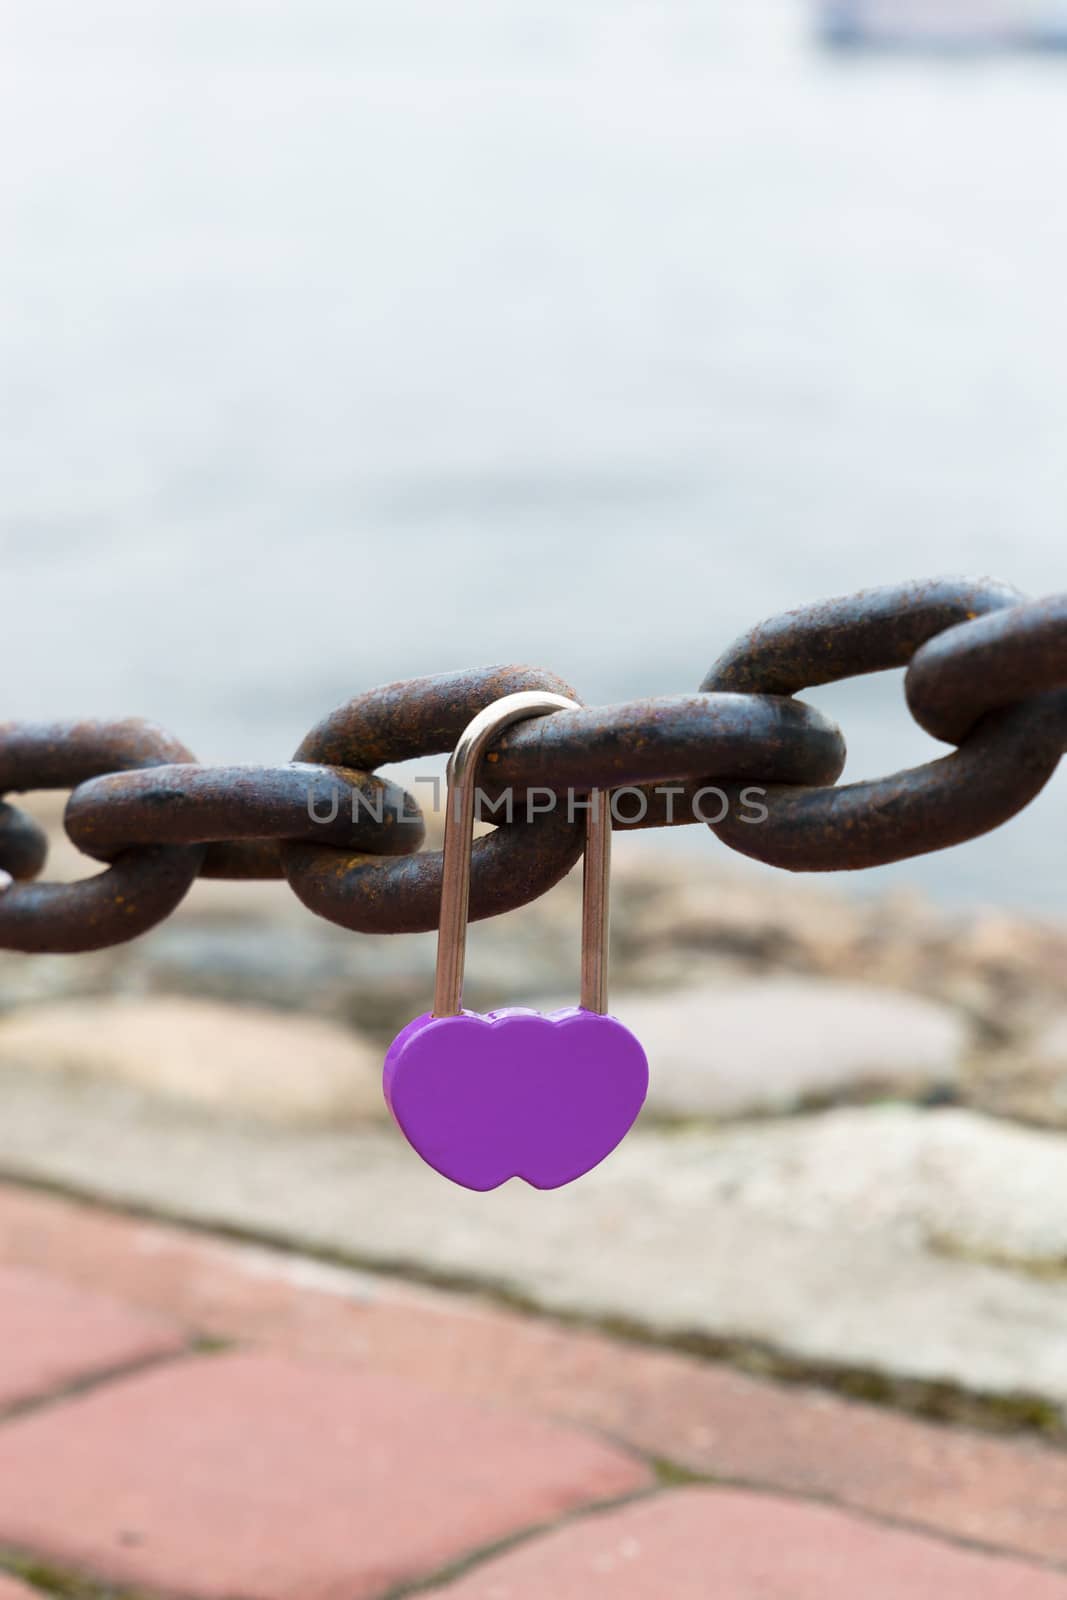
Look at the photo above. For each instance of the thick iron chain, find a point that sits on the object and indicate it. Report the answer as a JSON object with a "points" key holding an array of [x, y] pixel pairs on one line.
{"points": [[986, 671]]}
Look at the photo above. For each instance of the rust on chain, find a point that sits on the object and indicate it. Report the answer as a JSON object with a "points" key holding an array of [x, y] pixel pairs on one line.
{"points": [[248, 808], [60, 755], [23, 844], [1006, 762], [655, 741], [416, 716], [851, 635], [642, 744], [995, 661], [516, 863], [140, 889], [997, 770], [986, 669]]}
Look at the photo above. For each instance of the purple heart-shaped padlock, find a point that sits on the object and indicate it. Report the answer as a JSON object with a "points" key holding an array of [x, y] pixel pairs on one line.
{"points": [[515, 1094]]}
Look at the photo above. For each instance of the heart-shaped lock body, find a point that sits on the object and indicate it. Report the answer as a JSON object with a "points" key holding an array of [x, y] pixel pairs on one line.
{"points": [[515, 1093]]}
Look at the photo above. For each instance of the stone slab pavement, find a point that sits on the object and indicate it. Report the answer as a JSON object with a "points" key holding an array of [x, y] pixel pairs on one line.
{"points": [[191, 1417], [914, 1247]]}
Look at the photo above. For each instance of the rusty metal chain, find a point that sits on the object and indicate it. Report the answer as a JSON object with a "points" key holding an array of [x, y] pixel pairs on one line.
{"points": [[986, 671], [1004, 758]]}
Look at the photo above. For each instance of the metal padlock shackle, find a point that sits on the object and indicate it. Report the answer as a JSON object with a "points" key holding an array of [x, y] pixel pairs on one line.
{"points": [[455, 877]]}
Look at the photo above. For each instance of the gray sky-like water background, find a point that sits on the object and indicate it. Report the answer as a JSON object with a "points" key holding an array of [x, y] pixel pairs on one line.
{"points": [[343, 342]]}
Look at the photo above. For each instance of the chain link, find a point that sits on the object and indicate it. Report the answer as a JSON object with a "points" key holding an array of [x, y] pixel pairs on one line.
{"points": [[986, 671], [1005, 760], [241, 813], [140, 889]]}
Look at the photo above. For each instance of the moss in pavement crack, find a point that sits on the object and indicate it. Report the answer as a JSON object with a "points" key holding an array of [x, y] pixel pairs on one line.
{"points": [[1002, 1413], [62, 1585]]}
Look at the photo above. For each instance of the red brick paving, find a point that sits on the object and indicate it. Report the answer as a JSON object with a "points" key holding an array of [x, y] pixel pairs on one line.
{"points": [[244, 1474], [1010, 1494], [352, 1455], [53, 1335], [703, 1544]]}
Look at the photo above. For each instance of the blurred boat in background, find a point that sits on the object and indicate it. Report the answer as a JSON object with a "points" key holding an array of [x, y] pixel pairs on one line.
{"points": [[944, 24]]}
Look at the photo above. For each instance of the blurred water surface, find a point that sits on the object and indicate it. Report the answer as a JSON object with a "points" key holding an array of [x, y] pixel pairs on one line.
{"points": [[341, 342]]}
